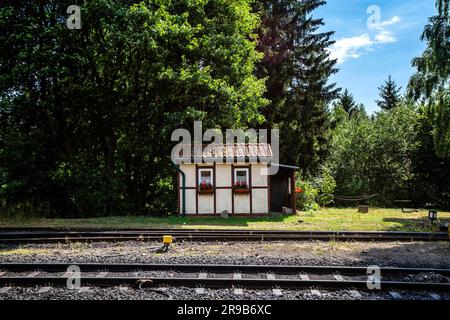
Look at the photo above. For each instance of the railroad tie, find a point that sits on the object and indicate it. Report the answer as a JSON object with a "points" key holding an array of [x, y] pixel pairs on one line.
{"points": [[101, 274], [67, 274], [33, 274], [316, 292], [238, 291], [201, 290], [44, 290], [304, 277], [5, 290], [270, 277], [435, 296], [276, 292], [338, 277], [395, 295], [355, 294], [2, 274]]}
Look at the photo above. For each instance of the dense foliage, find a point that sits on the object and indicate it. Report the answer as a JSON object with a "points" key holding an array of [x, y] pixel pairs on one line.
{"points": [[390, 154], [347, 103], [317, 192], [86, 115], [403, 151], [431, 83], [371, 155]]}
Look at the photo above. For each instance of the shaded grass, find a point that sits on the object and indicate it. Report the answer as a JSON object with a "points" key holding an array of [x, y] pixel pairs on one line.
{"points": [[325, 219]]}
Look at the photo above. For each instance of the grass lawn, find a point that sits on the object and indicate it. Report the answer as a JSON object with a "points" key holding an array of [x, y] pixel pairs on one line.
{"points": [[325, 219]]}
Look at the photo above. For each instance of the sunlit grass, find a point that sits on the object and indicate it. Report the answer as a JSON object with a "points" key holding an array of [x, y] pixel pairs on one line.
{"points": [[23, 251], [325, 219]]}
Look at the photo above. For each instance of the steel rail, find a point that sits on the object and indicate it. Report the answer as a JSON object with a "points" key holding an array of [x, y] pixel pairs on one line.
{"points": [[218, 238], [216, 235], [22, 232], [214, 268]]}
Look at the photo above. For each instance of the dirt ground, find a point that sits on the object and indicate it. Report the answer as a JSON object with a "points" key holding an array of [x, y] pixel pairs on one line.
{"points": [[407, 254]]}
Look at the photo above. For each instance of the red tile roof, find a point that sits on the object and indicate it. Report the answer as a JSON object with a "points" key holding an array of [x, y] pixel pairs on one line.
{"points": [[212, 151], [237, 150]]}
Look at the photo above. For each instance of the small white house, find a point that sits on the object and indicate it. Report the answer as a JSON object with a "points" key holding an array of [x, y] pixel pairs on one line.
{"points": [[220, 183]]}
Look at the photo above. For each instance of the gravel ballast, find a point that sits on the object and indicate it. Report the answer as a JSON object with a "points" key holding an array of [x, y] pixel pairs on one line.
{"points": [[389, 254]]}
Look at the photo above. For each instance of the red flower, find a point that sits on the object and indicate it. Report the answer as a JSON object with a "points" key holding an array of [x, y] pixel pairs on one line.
{"points": [[205, 185], [298, 190], [240, 185]]}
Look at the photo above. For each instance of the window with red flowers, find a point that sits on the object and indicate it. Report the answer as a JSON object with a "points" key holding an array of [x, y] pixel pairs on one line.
{"points": [[241, 180], [206, 182]]}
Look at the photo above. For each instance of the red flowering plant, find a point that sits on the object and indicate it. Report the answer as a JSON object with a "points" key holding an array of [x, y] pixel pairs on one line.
{"points": [[205, 185], [241, 185]]}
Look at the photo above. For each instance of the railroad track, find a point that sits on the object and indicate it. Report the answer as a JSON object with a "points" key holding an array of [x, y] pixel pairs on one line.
{"points": [[57, 236], [219, 276]]}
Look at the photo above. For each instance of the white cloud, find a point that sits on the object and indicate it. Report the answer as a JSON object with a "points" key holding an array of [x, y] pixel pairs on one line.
{"points": [[384, 24], [350, 47], [385, 37], [354, 47]]}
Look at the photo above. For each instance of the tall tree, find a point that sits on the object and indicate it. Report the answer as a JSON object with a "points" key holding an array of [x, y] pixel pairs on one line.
{"points": [[367, 152], [431, 82], [81, 110], [390, 95], [431, 174], [347, 103], [298, 66]]}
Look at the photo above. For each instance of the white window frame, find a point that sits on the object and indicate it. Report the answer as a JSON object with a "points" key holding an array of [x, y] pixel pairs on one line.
{"points": [[247, 175], [200, 170]]}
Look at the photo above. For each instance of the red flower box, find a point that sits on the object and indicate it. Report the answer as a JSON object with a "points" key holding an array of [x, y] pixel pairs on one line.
{"points": [[205, 187], [241, 187], [205, 191], [242, 191]]}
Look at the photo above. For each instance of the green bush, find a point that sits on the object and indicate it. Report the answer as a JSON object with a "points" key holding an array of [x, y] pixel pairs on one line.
{"points": [[306, 199], [315, 192], [327, 185]]}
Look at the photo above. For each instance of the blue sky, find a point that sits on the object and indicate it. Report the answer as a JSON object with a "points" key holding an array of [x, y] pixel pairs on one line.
{"points": [[367, 54]]}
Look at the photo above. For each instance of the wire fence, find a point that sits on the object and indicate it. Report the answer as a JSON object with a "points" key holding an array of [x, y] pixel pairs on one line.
{"points": [[354, 198]]}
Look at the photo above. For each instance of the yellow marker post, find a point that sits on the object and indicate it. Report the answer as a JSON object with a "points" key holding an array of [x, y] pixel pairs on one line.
{"points": [[167, 239]]}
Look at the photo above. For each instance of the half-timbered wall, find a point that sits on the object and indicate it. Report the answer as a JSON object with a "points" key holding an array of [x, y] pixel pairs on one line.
{"points": [[223, 198]]}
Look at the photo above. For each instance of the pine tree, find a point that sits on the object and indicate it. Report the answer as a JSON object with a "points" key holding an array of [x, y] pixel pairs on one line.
{"points": [[347, 102], [275, 41], [298, 66], [390, 95]]}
